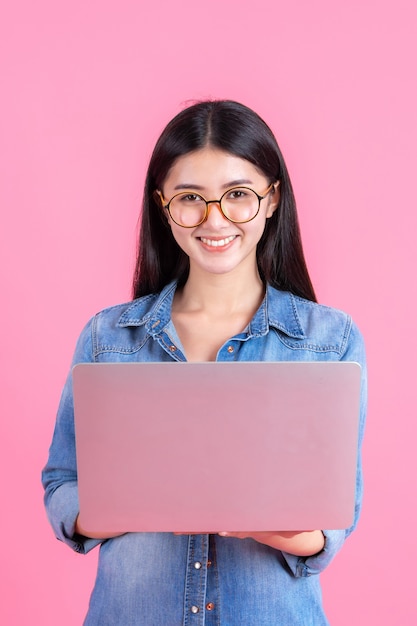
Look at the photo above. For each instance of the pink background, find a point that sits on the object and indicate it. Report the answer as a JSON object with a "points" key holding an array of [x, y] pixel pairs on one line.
{"points": [[86, 88]]}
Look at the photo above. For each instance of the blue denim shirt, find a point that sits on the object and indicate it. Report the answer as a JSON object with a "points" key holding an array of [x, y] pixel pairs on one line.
{"points": [[159, 579]]}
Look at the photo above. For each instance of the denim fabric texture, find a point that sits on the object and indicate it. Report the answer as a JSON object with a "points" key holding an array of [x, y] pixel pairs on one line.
{"points": [[160, 579]]}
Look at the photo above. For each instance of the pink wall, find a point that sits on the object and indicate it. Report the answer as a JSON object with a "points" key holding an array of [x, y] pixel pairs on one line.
{"points": [[87, 86]]}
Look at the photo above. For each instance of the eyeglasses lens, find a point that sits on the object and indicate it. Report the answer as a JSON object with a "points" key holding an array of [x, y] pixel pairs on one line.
{"points": [[238, 205]]}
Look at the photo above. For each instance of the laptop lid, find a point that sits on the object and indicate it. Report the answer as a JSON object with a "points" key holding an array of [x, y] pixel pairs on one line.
{"points": [[206, 447]]}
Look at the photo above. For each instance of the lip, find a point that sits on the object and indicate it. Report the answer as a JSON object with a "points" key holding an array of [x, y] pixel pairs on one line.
{"points": [[217, 243]]}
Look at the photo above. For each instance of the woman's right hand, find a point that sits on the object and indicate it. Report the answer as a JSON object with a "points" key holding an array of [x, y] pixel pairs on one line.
{"points": [[80, 531]]}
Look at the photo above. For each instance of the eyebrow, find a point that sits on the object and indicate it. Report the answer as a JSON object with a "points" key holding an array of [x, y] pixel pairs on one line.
{"points": [[232, 183]]}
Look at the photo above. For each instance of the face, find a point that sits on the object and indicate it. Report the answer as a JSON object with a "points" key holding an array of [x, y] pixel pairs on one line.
{"points": [[218, 246]]}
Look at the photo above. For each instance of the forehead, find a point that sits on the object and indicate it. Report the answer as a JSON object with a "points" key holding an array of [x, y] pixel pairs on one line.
{"points": [[211, 168]]}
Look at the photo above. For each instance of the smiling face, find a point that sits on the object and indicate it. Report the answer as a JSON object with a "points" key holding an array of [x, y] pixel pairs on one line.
{"points": [[218, 246]]}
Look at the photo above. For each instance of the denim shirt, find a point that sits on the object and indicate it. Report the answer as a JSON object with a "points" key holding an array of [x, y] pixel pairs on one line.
{"points": [[160, 579]]}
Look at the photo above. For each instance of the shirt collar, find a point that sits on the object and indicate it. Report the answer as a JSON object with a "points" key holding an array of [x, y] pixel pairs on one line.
{"points": [[153, 310], [278, 310]]}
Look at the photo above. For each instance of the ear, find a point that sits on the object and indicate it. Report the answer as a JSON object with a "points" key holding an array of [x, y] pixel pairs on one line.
{"points": [[158, 198], [273, 200]]}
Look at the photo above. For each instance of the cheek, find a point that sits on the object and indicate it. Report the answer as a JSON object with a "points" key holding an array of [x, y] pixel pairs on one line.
{"points": [[181, 235], [261, 225]]}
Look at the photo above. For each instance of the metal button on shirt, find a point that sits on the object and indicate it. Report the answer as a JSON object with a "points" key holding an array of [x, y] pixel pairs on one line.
{"points": [[210, 606], [197, 565], [230, 349], [194, 609]]}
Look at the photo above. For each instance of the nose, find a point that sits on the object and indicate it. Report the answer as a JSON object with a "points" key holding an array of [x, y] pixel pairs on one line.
{"points": [[215, 217]]}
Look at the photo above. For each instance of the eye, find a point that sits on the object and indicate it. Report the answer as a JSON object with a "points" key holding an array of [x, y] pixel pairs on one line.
{"points": [[237, 194], [190, 198]]}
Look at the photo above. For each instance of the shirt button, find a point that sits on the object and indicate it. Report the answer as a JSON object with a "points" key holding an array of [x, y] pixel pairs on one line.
{"points": [[209, 563], [172, 348], [194, 609], [210, 606], [197, 565], [230, 349]]}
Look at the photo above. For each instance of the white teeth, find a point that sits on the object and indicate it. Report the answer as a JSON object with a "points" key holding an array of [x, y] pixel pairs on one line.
{"points": [[216, 243]]}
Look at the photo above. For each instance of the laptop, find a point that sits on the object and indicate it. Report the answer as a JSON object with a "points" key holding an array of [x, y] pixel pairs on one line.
{"points": [[210, 447]]}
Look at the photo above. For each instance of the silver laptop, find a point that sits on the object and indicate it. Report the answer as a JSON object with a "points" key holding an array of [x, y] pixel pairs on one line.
{"points": [[209, 447]]}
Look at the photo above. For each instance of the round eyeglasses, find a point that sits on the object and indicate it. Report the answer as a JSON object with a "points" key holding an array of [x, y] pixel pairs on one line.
{"points": [[238, 205]]}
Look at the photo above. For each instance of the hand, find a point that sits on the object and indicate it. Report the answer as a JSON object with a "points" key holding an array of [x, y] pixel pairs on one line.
{"points": [[300, 543], [80, 531]]}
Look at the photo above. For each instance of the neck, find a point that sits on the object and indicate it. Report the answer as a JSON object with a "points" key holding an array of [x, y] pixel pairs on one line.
{"points": [[221, 293]]}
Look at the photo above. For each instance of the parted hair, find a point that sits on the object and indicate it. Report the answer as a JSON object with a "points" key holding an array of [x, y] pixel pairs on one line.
{"points": [[236, 129]]}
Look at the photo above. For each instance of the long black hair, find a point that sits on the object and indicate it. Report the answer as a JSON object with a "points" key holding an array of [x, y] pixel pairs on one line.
{"points": [[234, 128]]}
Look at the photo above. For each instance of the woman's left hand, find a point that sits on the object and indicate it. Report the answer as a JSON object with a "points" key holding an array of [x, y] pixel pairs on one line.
{"points": [[300, 543]]}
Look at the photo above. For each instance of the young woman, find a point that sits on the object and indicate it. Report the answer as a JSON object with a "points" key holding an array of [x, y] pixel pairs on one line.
{"points": [[220, 276]]}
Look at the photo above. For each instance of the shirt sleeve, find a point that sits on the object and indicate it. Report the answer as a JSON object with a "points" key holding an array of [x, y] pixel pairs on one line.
{"points": [[59, 476], [334, 539]]}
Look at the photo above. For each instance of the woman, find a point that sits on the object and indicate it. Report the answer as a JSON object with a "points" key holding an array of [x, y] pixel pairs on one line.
{"points": [[220, 276]]}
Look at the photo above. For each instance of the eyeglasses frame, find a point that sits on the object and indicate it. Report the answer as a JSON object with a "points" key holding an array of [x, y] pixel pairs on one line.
{"points": [[208, 202]]}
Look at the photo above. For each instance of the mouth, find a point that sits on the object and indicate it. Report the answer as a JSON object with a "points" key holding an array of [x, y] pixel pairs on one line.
{"points": [[217, 243]]}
